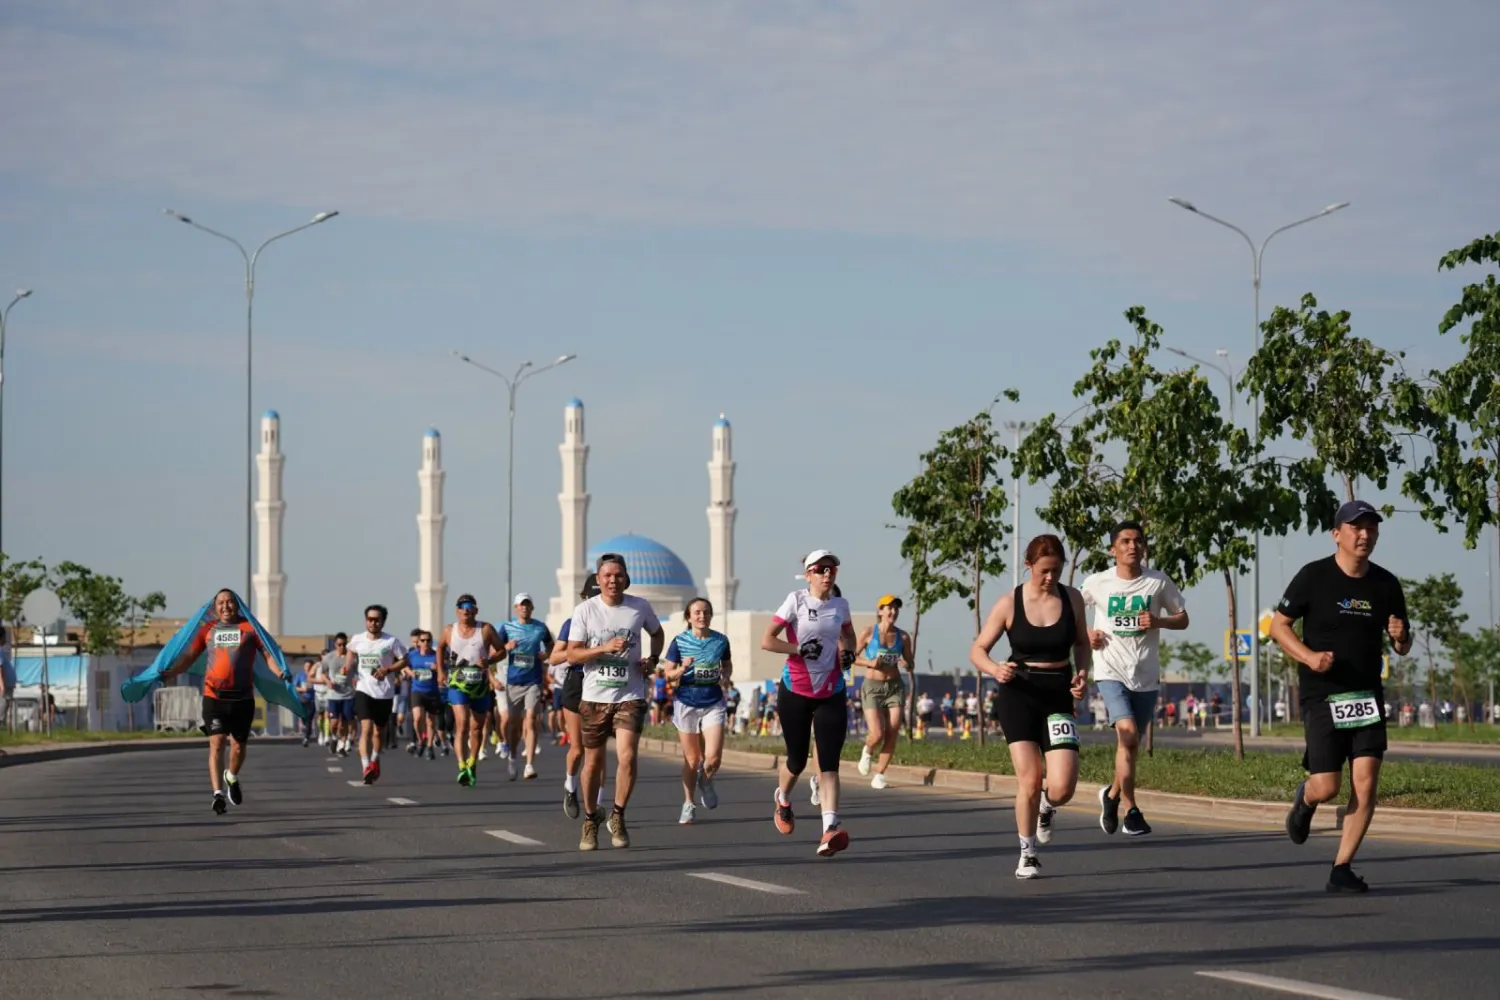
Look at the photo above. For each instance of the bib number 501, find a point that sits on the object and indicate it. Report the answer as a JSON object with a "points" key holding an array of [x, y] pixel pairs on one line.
{"points": [[1061, 732]]}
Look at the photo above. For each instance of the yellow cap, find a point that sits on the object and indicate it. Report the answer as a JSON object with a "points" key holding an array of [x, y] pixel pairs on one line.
{"points": [[889, 599]]}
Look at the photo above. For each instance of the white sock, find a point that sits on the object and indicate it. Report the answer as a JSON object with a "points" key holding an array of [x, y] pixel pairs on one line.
{"points": [[1028, 845], [570, 784], [830, 821], [1047, 806], [375, 756], [781, 797], [364, 761], [232, 775]]}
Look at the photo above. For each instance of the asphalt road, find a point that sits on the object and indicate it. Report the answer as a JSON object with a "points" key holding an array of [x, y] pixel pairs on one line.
{"points": [[118, 881]]}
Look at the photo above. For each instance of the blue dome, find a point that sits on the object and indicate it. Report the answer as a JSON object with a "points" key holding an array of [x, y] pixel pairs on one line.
{"points": [[432, 433], [721, 422], [270, 415], [575, 402], [651, 563]]}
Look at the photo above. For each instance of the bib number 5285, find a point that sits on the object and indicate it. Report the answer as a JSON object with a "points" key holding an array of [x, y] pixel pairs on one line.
{"points": [[1354, 710]]}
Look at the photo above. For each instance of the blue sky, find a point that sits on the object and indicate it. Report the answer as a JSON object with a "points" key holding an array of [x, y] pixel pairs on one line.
{"points": [[848, 226]]}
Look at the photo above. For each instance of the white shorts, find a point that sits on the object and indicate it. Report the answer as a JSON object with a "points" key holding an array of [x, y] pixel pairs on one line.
{"points": [[688, 719]]}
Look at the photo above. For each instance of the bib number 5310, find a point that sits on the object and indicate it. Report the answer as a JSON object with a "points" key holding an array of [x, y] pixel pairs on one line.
{"points": [[1061, 732], [1354, 710]]}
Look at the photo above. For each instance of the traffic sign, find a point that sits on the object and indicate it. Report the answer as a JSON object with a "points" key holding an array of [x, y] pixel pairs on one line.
{"points": [[1265, 624], [1242, 641]]}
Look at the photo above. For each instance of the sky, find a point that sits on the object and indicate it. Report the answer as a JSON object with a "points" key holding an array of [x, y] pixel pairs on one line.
{"points": [[847, 226]]}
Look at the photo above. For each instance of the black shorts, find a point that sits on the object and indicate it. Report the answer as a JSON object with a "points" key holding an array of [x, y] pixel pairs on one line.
{"points": [[573, 690], [1328, 747], [233, 718], [433, 703], [1028, 704], [377, 710]]}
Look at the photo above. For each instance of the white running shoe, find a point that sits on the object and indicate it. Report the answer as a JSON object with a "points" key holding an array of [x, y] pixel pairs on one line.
{"points": [[510, 768], [688, 814], [529, 773], [1044, 824], [878, 781], [812, 783], [505, 751], [1029, 866], [864, 761], [484, 754]]}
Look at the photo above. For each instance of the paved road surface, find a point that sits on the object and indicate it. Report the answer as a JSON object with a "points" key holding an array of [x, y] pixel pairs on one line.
{"points": [[119, 882]]}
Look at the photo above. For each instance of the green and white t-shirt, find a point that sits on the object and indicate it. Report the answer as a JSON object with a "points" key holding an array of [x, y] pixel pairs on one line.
{"points": [[1132, 655]]}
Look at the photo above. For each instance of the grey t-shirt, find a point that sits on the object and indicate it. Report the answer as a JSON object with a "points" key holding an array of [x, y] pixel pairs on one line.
{"points": [[340, 688]]}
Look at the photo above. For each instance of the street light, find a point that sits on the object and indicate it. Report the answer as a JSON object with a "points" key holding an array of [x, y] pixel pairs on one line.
{"points": [[1226, 369], [1016, 427], [24, 293], [1256, 254], [250, 260], [512, 383]]}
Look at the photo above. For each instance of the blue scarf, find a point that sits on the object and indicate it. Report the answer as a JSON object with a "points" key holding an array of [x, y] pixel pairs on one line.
{"points": [[266, 684]]}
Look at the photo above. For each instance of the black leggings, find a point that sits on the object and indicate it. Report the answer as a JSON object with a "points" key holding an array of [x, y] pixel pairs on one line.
{"points": [[805, 720]]}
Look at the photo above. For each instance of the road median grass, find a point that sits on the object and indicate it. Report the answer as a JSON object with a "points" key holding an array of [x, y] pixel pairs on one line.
{"points": [[60, 736], [1448, 732], [1262, 776]]}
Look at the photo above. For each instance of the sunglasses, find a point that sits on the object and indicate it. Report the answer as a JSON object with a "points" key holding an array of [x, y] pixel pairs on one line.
{"points": [[468, 606], [376, 621], [823, 570]]}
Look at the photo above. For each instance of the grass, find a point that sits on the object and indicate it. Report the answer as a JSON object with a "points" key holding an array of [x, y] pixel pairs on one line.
{"points": [[1448, 732], [64, 735], [1262, 776]]}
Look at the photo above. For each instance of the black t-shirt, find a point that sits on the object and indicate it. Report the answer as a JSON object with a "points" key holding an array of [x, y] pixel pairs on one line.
{"points": [[1347, 616]]}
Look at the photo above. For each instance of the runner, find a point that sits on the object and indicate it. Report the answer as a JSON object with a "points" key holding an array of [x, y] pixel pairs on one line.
{"points": [[528, 644], [426, 699], [1348, 606], [1131, 605], [473, 647], [605, 639], [885, 650], [1038, 686], [337, 678], [306, 694], [379, 656], [811, 701], [572, 697], [698, 660], [230, 640]]}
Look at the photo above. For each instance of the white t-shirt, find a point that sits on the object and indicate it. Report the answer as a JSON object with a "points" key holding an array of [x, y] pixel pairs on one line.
{"points": [[613, 679], [808, 618], [1132, 655], [373, 654]]}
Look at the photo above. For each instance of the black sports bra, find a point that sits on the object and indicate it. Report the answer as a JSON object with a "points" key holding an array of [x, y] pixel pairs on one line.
{"points": [[1052, 644]]}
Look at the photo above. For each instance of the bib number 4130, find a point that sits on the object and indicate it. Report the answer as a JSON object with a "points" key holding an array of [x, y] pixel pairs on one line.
{"points": [[1354, 710]]}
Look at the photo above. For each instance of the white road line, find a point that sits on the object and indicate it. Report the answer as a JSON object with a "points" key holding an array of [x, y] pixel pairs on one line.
{"points": [[357, 784], [745, 883], [1294, 986], [402, 802], [514, 838], [334, 770]]}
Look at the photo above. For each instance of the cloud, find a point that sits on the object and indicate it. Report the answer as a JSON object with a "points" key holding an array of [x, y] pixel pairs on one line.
{"points": [[1057, 127]]}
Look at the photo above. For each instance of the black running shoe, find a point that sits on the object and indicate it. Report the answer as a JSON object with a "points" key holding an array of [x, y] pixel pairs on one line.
{"points": [[236, 795], [221, 804], [1343, 879], [1109, 811], [1299, 819], [1135, 824], [570, 804]]}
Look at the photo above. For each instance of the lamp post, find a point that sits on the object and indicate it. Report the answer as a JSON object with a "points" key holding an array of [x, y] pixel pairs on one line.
{"points": [[1227, 370], [512, 383], [1256, 255], [250, 260], [24, 293], [1016, 427]]}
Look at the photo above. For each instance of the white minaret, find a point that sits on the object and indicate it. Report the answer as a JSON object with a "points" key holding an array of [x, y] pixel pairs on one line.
{"points": [[432, 591], [270, 510], [574, 501], [721, 586]]}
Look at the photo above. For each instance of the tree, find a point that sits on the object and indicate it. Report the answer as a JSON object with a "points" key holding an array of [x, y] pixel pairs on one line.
{"points": [[956, 507], [1436, 623], [1475, 656], [17, 579], [101, 604], [1198, 663], [927, 589], [1083, 486]]}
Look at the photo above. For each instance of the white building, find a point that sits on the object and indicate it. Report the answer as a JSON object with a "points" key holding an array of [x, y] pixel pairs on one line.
{"points": [[269, 581], [432, 590]]}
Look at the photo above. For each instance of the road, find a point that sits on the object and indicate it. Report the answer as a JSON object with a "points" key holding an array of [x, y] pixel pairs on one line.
{"points": [[119, 882]]}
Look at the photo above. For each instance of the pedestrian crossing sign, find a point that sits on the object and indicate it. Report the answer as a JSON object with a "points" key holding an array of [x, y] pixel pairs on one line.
{"points": [[1241, 647]]}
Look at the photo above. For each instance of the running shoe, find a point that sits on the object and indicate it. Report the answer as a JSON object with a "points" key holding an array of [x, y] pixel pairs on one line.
{"points": [[1135, 824], [864, 761], [834, 840], [412, 748], [878, 781], [688, 814], [369, 773], [589, 840], [374, 770], [618, 835], [232, 786], [221, 804], [529, 773], [812, 783], [466, 776], [707, 796], [570, 804], [510, 768], [430, 754], [505, 751], [1028, 867], [1044, 824], [1343, 879], [781, 815], [305, 741], [1299, 819], [1109, 811], [484, 753]]}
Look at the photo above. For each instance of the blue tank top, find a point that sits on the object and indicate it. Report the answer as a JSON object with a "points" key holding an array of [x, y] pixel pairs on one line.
{"points": [[887, 656], [423, 672], [699, 686], [525, 663]]}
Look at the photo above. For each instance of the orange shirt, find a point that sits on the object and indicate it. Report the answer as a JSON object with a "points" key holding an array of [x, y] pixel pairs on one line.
{"points": [[232, 650]]}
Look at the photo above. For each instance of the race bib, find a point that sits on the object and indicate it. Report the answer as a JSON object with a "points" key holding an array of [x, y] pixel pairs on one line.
{"points": [[369, 663], [522, 661], [227, 638], [1125, 625], [706, 673], [1354, 710], [1061, 732], [421, 676], [469, 676], [888, 660], [612, 671]]}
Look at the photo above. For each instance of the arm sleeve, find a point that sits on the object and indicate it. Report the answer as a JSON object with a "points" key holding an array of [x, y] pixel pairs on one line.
{"points": [[1296, 599]]}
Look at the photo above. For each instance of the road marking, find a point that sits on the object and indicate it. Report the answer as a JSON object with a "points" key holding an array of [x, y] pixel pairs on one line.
{"points": [[357, 784], [745, 883], [402, 802], [334, 770], [1295, 986], [514, 838]]}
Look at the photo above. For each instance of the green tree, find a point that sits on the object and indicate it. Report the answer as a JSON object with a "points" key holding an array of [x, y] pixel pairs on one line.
{"points": [[1083, 487], [17, 579], [956, 508], [101, 604], [1436, 623], [1475, 656], [1198, 663], [927, 589]]}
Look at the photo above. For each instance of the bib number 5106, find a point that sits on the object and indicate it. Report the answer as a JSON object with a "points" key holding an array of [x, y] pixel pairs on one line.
{"points": [[1354, 711]]}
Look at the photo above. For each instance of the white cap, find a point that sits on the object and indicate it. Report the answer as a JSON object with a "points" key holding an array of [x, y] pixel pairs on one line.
{"points": [[522, 598], [818, 555]]}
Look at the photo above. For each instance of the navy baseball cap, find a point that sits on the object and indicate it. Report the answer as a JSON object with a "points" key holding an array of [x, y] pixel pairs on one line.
{"points": [[1354, 510]]}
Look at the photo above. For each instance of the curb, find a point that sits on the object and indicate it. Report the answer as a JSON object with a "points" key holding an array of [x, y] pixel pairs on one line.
{"points": [[1240, 812], [14, 757]]}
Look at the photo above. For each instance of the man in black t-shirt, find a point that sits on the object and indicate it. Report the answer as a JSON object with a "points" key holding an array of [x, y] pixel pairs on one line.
{"points": [[1348, 607]]}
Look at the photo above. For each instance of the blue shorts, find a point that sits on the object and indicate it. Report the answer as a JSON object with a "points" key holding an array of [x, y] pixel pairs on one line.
{"points": [[484, 703], [341, 708], [557, 697], [1122, 703], [403, 704]]}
